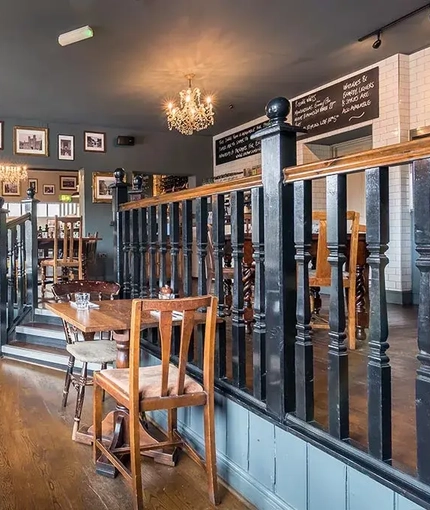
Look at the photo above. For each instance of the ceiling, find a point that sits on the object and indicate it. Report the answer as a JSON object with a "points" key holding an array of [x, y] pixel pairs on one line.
{"points": [[243, 52]]}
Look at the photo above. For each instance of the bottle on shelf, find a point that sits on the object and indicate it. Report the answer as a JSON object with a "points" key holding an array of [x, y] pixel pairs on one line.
{"points": [[39, 231]]}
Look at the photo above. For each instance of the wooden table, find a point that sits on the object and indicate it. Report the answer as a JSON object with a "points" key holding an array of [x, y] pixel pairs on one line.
{"points": [[113, 316]]}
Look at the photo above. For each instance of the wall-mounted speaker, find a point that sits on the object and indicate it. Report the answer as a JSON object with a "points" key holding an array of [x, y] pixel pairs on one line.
{"points": [[125, 140]]}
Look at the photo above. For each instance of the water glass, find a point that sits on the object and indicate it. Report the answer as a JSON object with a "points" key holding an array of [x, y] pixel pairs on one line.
{"points": [[82, 300]]}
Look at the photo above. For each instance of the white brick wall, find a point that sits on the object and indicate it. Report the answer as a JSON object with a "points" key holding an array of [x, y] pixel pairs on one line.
{"points": [[404, 88]]}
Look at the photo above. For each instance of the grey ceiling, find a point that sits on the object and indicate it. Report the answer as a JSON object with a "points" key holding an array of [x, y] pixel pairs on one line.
{"points": [[242, 51]]}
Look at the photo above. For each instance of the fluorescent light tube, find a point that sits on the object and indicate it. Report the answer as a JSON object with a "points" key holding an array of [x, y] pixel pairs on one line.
{"points": [[74, 36]]}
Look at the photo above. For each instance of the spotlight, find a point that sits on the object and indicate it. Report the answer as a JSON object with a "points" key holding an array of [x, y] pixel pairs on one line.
{"points": [[378, 42]]}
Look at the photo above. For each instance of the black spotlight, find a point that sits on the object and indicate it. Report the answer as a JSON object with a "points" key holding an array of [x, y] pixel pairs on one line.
{"points": [[378, 42]]}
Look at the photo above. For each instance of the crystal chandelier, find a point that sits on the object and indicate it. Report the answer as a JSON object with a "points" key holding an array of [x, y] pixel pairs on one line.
{"points": [[192, 114], [13, 173]]}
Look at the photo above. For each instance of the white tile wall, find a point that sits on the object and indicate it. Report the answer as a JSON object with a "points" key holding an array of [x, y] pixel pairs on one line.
{"points": [[404, 84]]}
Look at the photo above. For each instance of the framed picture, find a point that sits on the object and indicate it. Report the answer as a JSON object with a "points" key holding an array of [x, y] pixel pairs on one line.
{"points": [[1, 135], [101, 192], [66, 147], [32, 183], [94, 142], [30, 141], [49, 189], [11, 189], [68, 182]]}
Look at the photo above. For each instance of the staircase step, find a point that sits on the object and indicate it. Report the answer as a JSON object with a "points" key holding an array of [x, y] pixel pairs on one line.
{"points": [[44, 315], [41, 333]]}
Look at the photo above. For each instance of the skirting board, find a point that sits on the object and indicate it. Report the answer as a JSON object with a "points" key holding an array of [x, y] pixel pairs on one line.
{"points": [[233, 475]]}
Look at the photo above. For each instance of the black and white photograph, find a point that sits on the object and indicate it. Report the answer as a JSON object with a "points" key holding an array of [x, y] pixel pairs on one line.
{"points": [[48, 189], [30, 141], [32, 183], [11, 189], [94, 142], [102, 193], [68, 182], [66, 147]]}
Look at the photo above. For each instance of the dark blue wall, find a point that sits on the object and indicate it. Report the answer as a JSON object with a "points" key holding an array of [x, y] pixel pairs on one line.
{"points": [[157, 153]]}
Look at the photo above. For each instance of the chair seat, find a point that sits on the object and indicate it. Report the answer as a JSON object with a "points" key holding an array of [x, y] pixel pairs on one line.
{"points": [[93, 351], [60, 262], [149, 381]]}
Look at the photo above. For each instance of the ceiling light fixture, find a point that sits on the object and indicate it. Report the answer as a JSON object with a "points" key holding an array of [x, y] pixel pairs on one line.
{"points": [[379, 31], [191, 114], [378, 42], [80, 34], [13, 173]]}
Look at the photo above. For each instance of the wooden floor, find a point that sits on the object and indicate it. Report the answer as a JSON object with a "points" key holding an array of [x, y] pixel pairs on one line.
{"points": [[41, 468], [402, 353]]}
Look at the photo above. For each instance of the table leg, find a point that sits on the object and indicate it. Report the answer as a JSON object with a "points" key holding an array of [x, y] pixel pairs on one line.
{"points": [[360, 304]]}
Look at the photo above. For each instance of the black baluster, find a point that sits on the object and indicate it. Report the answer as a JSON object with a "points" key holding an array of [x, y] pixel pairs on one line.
{"points": [[238, 322], [202, 243], [174, 243], [152, 220], [218, 238], [378, 368], [143, 250], [11, 300], [134, 253], [162, 242], [259, 331], [421, 190], [126, 249], [304, 349], [278, 150], [119, 196], [20, 270], [3, 271], [31, 257], [338, 398], [187, 247]]}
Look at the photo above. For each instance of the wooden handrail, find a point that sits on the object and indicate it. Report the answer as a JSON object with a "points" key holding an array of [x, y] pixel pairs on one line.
{"points": [[14, 222], [206, 190], [391, 155]]}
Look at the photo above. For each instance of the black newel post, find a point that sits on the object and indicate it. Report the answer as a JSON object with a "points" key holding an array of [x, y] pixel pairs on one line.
{"points": [[421, 191], [278, 150], [119, 196], [3, 273], [30, 206]]}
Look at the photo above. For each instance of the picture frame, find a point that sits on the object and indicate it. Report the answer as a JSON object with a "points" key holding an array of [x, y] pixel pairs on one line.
{"points": [[94, 141], [11, 189], [49, 189], [101, 191], [30, 141], [32, 183], [66, 147], [68, 182], [1, 135]]}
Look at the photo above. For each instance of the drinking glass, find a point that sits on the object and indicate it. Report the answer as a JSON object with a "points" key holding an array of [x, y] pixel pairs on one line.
{"points": [[82, 300]]}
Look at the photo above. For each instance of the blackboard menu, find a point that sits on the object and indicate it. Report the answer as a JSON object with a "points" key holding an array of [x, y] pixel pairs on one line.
{"points": [[344, 104], [238, 145]]}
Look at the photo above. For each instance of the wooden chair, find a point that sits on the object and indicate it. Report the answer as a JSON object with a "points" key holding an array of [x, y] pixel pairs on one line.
{"points": [[164, 386], [100, 352], [65, 255], [321, 277]]}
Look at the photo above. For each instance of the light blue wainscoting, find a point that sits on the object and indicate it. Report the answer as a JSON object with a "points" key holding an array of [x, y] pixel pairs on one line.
{"points": [[275, 470]]}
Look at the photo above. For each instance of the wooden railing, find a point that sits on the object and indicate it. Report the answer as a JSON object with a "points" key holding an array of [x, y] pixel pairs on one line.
{"points": [[272, 371], [18, 266]]}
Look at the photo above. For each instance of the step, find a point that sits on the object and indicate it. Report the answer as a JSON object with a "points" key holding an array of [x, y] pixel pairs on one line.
{"points": [[41, 333], [41, 355], [46, 316]]}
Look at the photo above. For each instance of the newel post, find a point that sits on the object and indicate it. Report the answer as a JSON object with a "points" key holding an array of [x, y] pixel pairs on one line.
{"points": [[119, 196], [31, 255], [3, 273], [278, 150]]}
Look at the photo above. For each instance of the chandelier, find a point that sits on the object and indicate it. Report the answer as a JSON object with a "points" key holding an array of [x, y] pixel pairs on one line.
{"points": [[192, 114], [13, 173]]}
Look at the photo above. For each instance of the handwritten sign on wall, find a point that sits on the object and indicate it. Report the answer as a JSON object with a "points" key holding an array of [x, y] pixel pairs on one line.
{"points": [[238, 145], [344, 104]]}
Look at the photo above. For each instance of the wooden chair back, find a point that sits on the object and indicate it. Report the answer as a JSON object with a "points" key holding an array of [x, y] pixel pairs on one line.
{"points": [[65, 228], [165, 309]]}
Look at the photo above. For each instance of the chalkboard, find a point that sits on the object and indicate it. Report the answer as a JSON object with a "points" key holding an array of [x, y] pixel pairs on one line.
{"points": [[238, 145], [344, 104]]}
